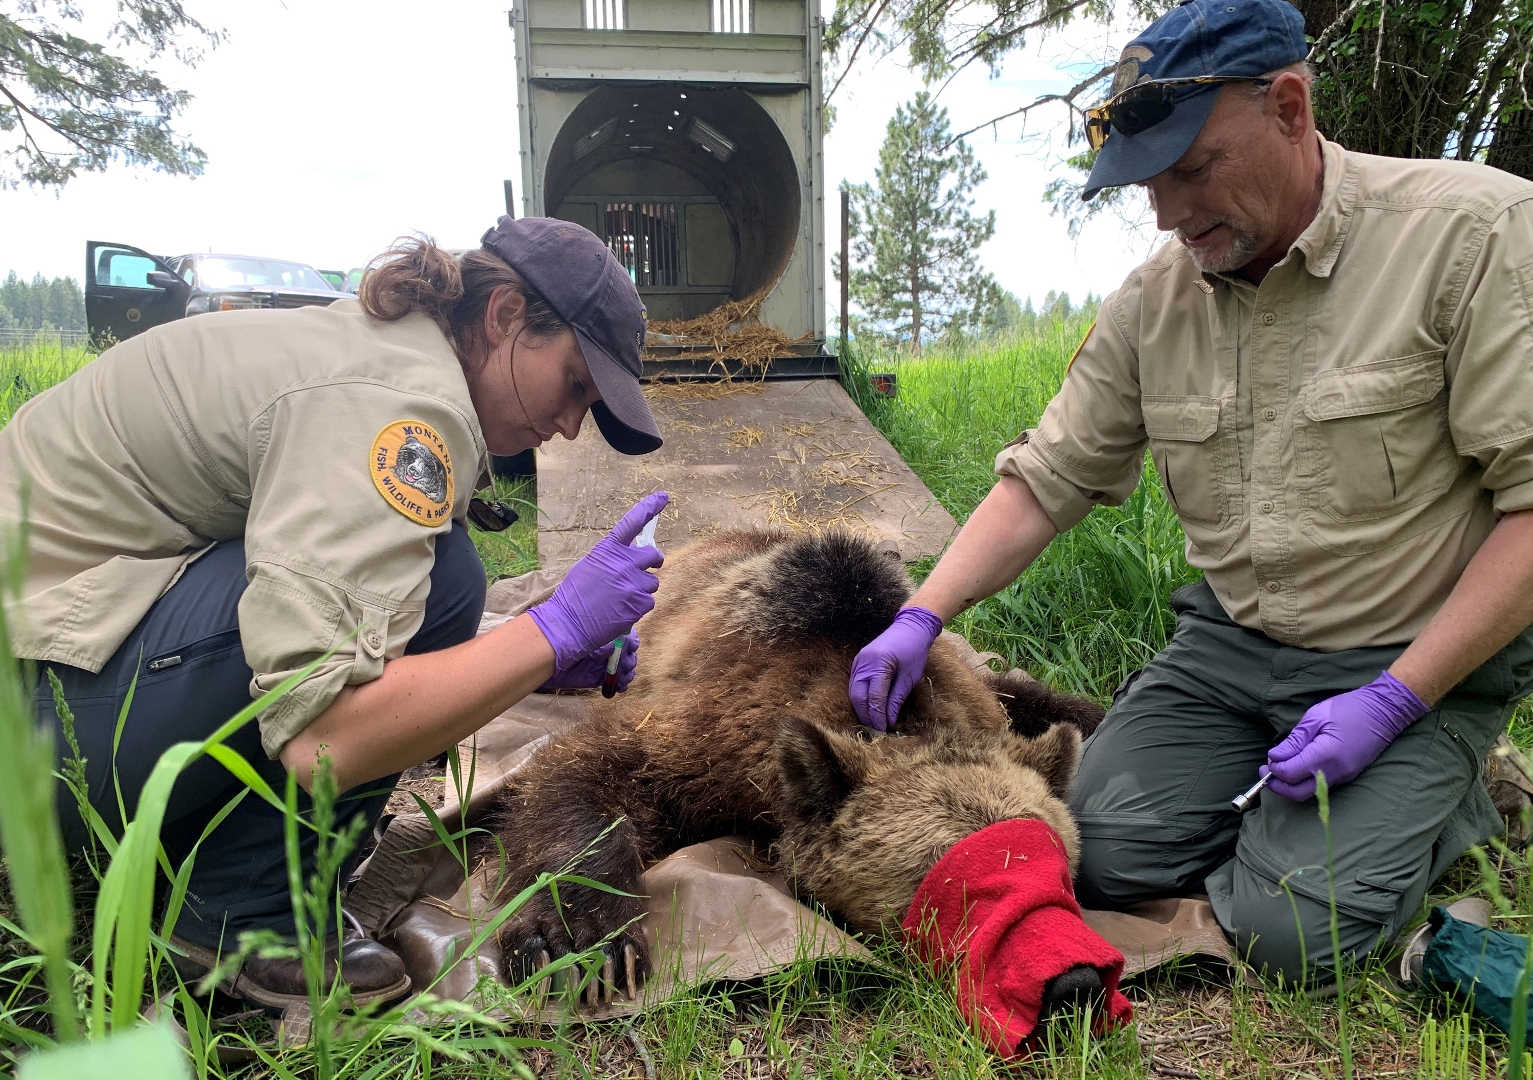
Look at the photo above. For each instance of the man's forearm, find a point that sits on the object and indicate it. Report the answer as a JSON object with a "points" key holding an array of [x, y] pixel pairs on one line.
{"points": [[1006, 532], [1490, 605], [422, 704]]}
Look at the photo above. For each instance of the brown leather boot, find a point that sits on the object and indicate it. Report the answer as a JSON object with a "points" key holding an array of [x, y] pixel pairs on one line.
{"points": [[371, 972]]}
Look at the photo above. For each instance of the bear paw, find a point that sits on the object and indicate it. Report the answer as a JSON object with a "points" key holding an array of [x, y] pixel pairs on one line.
{"points": [[537, 936]]}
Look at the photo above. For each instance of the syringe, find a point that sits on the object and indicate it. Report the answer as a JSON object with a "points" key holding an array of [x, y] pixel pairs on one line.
{"points": [[646, 538]]}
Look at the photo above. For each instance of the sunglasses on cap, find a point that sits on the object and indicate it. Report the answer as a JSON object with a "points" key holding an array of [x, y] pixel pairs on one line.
{"points": [[1146, 104]]}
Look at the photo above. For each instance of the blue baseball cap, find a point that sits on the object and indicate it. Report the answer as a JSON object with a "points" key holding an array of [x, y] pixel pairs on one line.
{"points": [[572, 269], [1242, 38]]}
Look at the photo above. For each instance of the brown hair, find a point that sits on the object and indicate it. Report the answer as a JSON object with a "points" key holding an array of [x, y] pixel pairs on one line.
{"points": [[416, 275]]}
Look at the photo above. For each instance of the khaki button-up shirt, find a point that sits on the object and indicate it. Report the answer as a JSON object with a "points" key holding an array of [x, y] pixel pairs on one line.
{"points": [[1339, 440], [284, 427]]}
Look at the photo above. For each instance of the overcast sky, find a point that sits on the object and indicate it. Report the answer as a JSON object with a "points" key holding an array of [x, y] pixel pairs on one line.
{"points": [[332, 126]]}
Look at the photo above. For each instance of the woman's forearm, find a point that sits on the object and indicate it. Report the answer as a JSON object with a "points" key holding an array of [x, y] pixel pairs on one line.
{"points": [[1006, 532], [421, 705], [1491, 604]]}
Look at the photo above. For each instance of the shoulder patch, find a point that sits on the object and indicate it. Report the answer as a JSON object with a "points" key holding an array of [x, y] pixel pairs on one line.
{"points": [[413, 471]]}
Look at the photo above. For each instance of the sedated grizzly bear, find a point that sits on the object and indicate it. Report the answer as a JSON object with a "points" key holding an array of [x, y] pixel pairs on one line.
{"points": [[738, 722]]}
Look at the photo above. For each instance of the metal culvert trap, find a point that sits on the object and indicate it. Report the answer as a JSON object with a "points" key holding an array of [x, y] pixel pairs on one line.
{"points": [[687, 136]]}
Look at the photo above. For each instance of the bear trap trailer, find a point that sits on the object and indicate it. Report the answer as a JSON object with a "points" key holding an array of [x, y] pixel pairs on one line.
{"points": [[687, 135]]}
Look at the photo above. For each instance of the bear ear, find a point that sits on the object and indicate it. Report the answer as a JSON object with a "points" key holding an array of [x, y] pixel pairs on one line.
{"points": [[818, 768], [1053, 755], [1034, 708]]}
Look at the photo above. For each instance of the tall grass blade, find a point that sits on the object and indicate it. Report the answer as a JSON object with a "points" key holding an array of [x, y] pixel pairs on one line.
{"points": [[29, 829], [1343, 1040], [124, 908], [183, 875]]}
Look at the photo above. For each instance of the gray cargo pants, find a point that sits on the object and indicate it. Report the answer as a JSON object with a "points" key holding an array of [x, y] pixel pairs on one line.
{"points": [[1186, 734]]}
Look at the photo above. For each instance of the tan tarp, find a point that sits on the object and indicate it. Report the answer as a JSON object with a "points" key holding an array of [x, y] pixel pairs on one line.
{"points": [[716, 911]]}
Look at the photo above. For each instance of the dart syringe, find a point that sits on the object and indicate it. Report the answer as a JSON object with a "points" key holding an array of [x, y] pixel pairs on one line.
{"points": [[646, 538]]}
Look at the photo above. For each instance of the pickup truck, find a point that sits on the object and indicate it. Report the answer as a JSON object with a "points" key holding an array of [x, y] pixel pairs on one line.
{"points": [[128, 290], [348, 281]]}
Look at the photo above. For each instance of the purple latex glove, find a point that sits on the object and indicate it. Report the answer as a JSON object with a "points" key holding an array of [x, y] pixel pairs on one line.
{"points": [[888, 668], [1341, 736], [588, 672], [604, 593]]}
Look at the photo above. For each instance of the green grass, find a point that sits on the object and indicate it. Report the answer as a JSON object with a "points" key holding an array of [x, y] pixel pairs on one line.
{"points": [[514, 551], [28, 370], [1093, 608]]}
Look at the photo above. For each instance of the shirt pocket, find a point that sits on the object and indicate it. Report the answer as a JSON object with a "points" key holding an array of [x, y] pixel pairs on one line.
{"points": [[1188, 457], [1374, 439]]}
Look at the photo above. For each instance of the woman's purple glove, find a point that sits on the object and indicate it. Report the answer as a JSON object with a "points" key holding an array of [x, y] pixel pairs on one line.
{"points": [[588, 672], [604, 593], [1341, 736], [889, 667]]}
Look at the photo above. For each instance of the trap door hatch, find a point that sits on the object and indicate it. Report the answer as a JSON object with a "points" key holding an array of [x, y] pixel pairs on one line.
{"points": [[665, 227], [644, 238]]}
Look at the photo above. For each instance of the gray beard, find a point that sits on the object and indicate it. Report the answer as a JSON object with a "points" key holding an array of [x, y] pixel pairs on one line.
{"points": [[1242, 250]]}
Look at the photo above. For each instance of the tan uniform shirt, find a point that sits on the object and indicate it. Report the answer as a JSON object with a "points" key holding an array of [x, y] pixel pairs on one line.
{"points": [[1339, 440], [311, 433]]}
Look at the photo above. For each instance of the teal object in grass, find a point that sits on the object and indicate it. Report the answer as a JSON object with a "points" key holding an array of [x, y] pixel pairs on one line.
{"points": [[1480, 964]]}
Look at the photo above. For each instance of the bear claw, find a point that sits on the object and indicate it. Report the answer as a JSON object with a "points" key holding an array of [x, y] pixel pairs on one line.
{"points": [[602, 989]]}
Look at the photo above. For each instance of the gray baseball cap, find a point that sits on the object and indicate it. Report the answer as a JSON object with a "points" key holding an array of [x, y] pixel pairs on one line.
{"points": [[574, 271]]}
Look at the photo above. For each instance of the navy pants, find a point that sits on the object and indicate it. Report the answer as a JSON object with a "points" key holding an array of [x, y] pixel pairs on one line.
{"points": [[239, 880]]}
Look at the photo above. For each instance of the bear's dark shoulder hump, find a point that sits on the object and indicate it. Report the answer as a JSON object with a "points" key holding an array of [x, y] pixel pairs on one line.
{"points": [[832, 585]]}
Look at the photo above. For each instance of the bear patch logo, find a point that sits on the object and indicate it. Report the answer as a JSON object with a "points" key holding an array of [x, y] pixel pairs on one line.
{"points": [[1128, 68], [419, 468], [412, 470]]}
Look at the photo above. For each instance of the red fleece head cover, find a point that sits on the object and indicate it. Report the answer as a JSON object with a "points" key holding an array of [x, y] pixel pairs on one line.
{"points": [[1001, 906]]}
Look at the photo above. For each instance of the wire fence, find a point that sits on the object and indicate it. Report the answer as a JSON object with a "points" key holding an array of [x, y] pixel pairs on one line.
{"points": [[13, 337]]}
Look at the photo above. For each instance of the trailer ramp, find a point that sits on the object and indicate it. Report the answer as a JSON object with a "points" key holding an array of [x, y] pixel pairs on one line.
{"points": [[793, 453]]}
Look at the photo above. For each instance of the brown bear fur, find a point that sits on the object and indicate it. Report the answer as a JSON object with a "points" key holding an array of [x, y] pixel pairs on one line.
{"points": [[863, 824], [738, 722]]}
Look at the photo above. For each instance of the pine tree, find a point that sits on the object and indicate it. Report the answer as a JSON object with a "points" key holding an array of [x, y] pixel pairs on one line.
{"points": [[914, 233], [69, 105], [41, 304]]}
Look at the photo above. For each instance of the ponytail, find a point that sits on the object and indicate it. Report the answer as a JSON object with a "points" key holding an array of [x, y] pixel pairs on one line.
{"points": [[413, 275], [416, 275]]}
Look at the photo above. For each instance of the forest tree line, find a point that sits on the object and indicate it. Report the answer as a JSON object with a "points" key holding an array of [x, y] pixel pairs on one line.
{"points": [[41, 304]]}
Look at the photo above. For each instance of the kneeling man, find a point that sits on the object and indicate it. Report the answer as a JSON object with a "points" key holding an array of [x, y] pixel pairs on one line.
{"points": [[1332, 367]]}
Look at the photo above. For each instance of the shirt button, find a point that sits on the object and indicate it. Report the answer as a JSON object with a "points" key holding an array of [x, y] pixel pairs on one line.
{"points": [[1269, 414], [1268, 318], [374, 639], [1267, 507], [1272, 586]]}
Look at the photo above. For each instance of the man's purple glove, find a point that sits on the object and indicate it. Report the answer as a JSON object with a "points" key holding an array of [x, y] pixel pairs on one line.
{"points": [[1341, 736], [588, 672], [890, 665], [604, 593]]}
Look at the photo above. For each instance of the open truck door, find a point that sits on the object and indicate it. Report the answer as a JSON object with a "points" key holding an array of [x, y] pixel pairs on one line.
{"points": [[127, 291]]}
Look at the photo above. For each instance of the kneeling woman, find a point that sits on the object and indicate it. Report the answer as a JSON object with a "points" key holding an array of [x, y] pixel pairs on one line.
{"points": [[218, 502]]}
